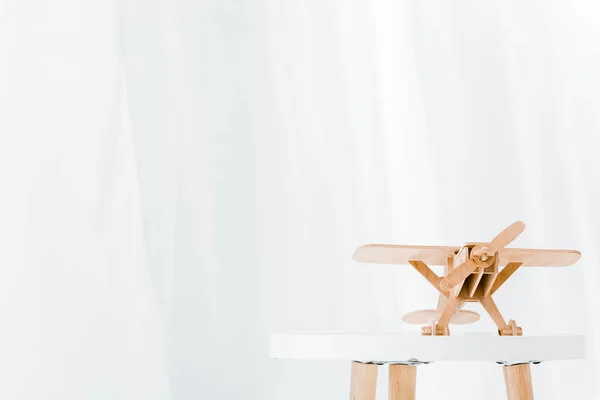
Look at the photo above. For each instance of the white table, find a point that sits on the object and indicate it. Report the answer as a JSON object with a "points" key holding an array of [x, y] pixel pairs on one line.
{"points": [[403, 351]]}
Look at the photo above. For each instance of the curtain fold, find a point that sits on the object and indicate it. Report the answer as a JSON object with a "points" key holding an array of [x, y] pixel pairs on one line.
{"points": [[73, 299], [293, 132]]}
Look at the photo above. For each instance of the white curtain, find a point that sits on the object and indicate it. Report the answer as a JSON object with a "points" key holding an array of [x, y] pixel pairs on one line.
{"points": [[179, 178]]}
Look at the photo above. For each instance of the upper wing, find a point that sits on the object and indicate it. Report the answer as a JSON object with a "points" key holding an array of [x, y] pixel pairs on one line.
{"points": [[538, 257], [438, 255], [397, 254]]}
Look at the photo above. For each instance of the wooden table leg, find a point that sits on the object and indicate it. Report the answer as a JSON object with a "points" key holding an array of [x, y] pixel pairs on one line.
{"points": [[518, 382], [363, 382], [403, 382]]}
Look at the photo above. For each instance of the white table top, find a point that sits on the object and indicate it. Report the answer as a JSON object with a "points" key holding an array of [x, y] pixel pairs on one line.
{"points": [[389, 347]]}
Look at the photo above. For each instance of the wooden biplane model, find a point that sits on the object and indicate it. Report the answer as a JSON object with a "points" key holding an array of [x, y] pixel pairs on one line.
{"points": [[472, 273]]}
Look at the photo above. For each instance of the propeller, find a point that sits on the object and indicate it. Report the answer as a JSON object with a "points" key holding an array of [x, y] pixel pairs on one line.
{"points": [[482, 255]]}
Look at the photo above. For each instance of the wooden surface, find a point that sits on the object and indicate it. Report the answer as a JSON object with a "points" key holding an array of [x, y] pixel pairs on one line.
{"points": [[399, 254], [518, 382], [458, 275], [402, 382], [539, 258], [474, 283], [402, 346], [460, 258], [462, 317], [363, 381], [437, 255], [490, 279], [504, 238], [452, 306]]}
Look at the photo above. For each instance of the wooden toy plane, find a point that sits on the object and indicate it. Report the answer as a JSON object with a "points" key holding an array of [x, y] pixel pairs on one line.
{"points": [[472, 273]]}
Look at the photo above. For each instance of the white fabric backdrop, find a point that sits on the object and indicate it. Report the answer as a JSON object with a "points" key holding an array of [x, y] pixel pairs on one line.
{"points": [[269, 140]]}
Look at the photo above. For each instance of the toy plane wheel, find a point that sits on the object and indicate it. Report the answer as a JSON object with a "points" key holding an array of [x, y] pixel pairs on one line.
{"points": [[420, 317]]}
